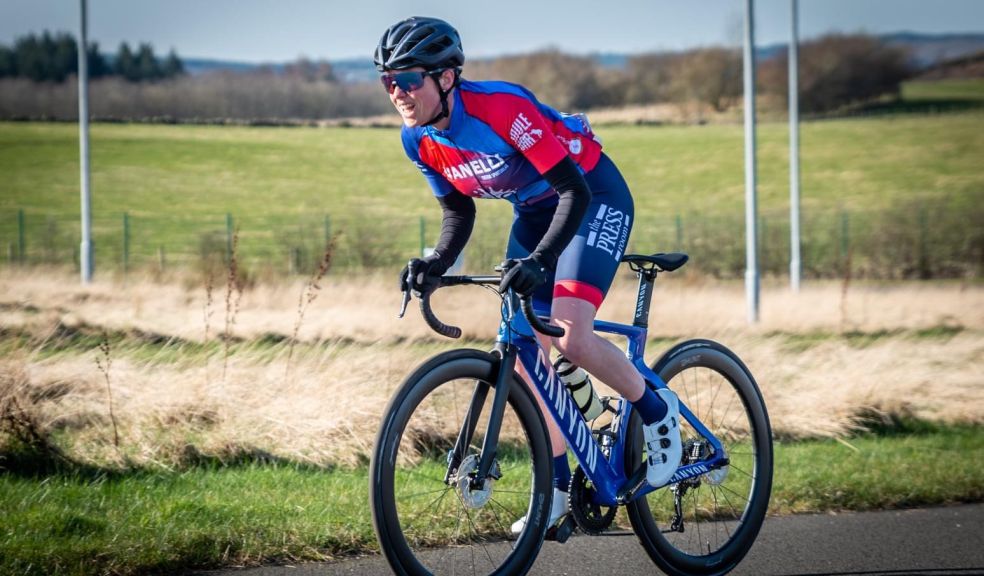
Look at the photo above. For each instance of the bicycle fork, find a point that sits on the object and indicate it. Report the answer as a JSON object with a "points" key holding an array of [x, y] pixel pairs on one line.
{"points": [[503, 380]]}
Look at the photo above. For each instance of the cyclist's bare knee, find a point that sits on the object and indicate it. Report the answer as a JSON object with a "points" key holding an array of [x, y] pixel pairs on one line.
{"points": [[576, 344], [576, 316]]}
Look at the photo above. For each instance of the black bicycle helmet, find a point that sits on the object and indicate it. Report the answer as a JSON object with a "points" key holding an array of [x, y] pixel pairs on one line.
{"points": [[430, 43]]}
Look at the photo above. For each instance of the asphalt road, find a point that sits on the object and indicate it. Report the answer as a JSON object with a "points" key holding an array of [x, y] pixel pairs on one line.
{"points": [[934, 541]]}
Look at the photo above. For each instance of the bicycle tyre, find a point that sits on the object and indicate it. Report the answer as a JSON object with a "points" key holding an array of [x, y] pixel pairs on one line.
{"points": [[417, 546], [725, 511]]}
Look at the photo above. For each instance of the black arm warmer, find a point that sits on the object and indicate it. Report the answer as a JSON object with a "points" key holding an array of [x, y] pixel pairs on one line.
{"points": [[456, 227], [575, 197]]}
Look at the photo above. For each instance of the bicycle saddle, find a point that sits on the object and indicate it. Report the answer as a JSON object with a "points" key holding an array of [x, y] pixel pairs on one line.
{"points": [[665, 262]]}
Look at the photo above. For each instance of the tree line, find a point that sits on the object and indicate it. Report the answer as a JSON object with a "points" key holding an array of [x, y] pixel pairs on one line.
{"points": [[836, 72], [55, 57]]}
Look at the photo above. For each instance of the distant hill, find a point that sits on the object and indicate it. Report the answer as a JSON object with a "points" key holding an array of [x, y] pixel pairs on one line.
{"points": [[962, 67], [196, 66], [355, 70], [927, 50], [931, 50]]}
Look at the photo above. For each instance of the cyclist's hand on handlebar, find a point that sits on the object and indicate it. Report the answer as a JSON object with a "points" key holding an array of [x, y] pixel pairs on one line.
{"points": [[420, 276], [523, 275]]}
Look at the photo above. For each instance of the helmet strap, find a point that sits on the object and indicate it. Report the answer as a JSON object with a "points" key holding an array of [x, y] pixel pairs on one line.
{"points": [[444, 94]]}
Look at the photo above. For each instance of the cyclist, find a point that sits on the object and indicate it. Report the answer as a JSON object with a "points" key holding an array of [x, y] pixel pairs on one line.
{"points": [[572, 212]]}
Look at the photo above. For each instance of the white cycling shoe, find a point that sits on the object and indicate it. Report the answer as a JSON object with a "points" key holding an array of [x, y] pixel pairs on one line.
{"points": [[560, 507], [663, 442]]}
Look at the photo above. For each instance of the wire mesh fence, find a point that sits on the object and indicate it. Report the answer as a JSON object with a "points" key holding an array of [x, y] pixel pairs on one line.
{"points": [[941, 240]]}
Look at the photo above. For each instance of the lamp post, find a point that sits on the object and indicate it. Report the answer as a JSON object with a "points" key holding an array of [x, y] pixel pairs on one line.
{"points": [[751, 200], [85, 251], [795, 264]]}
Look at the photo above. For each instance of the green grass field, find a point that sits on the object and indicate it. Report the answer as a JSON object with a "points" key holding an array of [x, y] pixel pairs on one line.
{"points": [[206, 171], [177, 183], [970, 89], [84, 521]]}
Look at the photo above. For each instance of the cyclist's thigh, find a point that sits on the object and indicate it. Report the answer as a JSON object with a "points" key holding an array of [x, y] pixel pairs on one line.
{"points": [[529, 226], [587, 266]]}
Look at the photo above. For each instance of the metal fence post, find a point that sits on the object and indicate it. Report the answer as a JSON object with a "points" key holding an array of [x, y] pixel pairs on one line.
{"points": [[845, 237], [845, 233], [764, 244], [126, 243], [924, 272], [20, 236], [228, 237], [327, 230], [679, 233], [294, 262]]}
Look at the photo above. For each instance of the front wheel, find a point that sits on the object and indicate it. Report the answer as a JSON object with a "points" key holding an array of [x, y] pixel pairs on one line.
{"points": [[429, 517], [705, 525]]}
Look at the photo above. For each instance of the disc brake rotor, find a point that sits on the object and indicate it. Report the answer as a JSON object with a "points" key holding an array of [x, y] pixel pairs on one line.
{"points": [[471, 496], [696, 450], [717, 476]]}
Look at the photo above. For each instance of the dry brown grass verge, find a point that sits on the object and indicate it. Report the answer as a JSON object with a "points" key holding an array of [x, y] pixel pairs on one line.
{"points": [[901, 351]]}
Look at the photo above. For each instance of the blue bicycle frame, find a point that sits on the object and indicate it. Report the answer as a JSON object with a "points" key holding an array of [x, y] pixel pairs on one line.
{"points": [[610, 481]]}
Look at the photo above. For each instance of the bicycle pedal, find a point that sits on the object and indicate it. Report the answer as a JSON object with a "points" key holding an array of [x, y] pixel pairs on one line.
{"points": [[561, 532]]}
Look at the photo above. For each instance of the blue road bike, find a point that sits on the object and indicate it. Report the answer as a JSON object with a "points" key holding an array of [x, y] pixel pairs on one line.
{"points": [[463, 451]]}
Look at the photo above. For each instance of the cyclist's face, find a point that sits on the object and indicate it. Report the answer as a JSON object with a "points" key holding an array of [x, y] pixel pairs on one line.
{"points": [[418, 105]]}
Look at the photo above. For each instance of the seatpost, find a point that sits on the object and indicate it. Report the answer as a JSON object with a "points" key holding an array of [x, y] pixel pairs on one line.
{"points": [[647, 277]]}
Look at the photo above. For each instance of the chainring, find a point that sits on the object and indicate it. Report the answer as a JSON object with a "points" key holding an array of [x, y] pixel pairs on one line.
{"points": [[591, 517]]}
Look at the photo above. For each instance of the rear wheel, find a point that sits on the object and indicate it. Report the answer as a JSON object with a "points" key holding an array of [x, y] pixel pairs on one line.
{"points": [[430, 520], [705, 525]]}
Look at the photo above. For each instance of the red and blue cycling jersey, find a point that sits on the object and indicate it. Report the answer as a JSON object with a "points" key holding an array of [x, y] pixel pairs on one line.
{"points": [[499, 143]]}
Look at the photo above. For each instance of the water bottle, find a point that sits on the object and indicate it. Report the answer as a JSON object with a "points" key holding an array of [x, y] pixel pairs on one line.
{"points": [[578, 383]]}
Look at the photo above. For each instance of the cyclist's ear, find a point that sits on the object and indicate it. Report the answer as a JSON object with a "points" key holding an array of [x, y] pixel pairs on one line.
{"points": [[447, 79]]}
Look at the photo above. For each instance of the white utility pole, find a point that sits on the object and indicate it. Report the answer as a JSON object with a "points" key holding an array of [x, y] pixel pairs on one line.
{"points": [[795, 265], [85, 250], [751, 200]]}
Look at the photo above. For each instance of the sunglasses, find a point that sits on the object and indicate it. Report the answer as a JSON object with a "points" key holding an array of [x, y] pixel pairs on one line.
{"points": [[407, 81]]}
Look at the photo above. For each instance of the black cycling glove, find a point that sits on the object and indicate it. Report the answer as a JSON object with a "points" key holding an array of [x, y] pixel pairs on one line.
{"points": [[426, 275], [523, 275]]}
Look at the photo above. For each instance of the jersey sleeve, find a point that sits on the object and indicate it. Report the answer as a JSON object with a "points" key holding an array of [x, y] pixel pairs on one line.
{"points": [[438, 183], [518, 121]]}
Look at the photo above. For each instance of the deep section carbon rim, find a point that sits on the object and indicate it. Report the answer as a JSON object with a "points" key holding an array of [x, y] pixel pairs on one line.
{"points": [[706, 524], [457, 527]]}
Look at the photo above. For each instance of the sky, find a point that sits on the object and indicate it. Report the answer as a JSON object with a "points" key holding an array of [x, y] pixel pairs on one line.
{"points": [[283, 30]]}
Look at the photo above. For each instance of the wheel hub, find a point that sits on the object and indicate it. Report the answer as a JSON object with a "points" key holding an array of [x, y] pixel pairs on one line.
{"points": [[474, 496], [717, 476], [697, 450]]}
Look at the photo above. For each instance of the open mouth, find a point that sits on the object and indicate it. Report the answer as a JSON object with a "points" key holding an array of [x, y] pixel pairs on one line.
{"points": [[406, 109]]}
